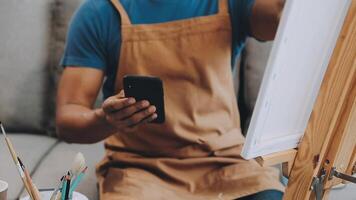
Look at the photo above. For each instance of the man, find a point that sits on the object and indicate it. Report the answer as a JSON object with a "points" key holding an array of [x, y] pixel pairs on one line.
{"points": [[190, 45]]}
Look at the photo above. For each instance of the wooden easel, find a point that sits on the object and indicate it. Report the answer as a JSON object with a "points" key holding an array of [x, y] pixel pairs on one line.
{"points": [[330, 138]]}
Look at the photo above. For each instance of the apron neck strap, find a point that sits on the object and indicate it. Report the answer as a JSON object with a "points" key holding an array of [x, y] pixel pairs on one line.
{"points": [[223, 7], [125, 20]]}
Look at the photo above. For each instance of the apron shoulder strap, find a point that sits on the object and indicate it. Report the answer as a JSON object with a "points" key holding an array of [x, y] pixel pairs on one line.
{"points": [[125, 20], [223, 7]]}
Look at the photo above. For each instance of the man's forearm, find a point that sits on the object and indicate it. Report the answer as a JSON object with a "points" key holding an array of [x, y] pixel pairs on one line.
{"points": [[78, 124]]}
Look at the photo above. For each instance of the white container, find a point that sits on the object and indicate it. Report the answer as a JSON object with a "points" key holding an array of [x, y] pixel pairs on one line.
{"points": [[3, 190], [46, 195]]}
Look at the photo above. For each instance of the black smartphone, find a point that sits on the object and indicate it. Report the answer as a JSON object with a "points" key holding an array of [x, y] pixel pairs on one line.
{"points": [[146, 88]]}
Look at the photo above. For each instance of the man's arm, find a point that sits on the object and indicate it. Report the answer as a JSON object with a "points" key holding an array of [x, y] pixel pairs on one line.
{"points": [[76, 119], [264, 20]]}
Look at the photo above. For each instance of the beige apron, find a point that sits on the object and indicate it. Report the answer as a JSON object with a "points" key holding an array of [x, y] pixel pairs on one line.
{"points": [[195, 154]]}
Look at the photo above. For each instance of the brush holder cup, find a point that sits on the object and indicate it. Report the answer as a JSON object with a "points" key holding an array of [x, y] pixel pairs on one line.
{"points": [[46, 195], [3, 190]]}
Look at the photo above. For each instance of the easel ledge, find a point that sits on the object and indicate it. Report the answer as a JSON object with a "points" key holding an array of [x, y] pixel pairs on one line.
{"points": [[285, 157]]}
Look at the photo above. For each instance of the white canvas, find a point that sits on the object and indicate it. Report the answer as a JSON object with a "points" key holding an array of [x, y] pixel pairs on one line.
{"points": [[302, 50]]}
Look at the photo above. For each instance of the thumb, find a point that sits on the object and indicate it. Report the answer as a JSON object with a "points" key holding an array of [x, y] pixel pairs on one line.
{"points": [[120, 95]]}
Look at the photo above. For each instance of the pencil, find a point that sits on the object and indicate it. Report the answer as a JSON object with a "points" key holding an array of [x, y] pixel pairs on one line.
{"points": [[14, 158], [77, 180]]}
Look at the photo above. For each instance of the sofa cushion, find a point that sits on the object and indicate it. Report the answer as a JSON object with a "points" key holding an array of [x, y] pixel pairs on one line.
{"points": [[24, 53], [58, 162], [30, 148], [31, 45]]}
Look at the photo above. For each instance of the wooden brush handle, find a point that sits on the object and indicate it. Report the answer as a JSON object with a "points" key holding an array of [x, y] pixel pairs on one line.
{"points": [[14, 157], [11, 149], [32, 188], [36, 193], [27, 187]]}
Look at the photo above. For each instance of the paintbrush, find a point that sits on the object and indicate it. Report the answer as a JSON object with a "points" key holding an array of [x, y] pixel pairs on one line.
{"points": [[77, 171], [77, 180], [37, 194], [14, 158], [78, 165], [34, 190], [58, 196], [57, 190], [27, 183]]}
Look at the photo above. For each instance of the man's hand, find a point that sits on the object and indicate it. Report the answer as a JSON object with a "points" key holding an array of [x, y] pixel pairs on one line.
{"points": [[265, 18], [77, 120], [125, 113]]}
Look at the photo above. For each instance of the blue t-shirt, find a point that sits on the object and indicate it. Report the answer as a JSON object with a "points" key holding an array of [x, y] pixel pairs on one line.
{"points": [[94, 36]]}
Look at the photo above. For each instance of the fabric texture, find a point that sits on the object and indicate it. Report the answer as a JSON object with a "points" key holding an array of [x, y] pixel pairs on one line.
{"points": [[195, 154], [94, 37]]}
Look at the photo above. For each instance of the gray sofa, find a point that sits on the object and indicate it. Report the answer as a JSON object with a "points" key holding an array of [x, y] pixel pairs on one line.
{"points": [[32, 39]]}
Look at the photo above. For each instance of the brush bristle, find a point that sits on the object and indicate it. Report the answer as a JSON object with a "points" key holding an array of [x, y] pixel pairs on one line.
{"points": [[2, 129], [78, 164], [58, 195]]}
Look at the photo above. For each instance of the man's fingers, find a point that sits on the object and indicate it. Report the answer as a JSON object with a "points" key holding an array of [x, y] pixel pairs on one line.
{"points": [[147, 119], [114, 104], [130, 110], [130, 129], [129, 124], [114, 122], [126, 112], [139, 116]]}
